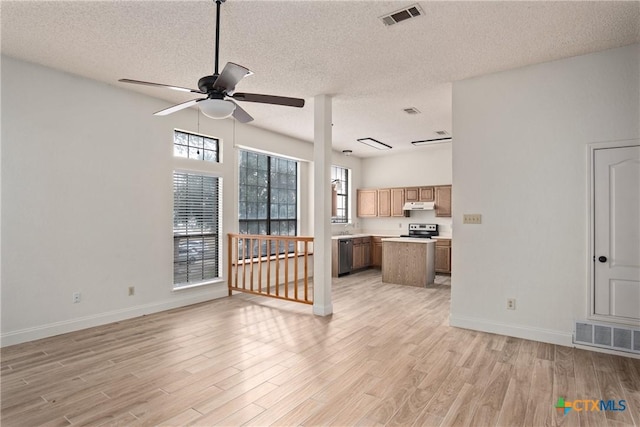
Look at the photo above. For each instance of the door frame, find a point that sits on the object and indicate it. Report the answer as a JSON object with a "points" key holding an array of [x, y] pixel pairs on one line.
{"points": [[591, 150]]}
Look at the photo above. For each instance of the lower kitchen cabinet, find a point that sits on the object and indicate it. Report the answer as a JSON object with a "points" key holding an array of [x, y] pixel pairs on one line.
{"points": [[443, 256], [376, 252], [361, 252]]}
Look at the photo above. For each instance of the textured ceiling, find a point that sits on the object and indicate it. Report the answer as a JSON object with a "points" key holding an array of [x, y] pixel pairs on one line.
{"points": [[305, 48]]}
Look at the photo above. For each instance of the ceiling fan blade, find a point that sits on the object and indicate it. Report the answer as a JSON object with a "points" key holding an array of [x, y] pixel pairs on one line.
{"points": [[140, 82], [177, 107], [241, 115], [230, 76], [269, 99]]}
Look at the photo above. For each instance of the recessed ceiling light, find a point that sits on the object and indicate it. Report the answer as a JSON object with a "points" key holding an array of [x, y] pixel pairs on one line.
{"points": [[432, 141], [375, 143], [347, 152]]}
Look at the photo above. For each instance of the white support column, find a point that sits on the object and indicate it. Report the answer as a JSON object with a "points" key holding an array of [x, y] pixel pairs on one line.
{"points": [[322, 304]]}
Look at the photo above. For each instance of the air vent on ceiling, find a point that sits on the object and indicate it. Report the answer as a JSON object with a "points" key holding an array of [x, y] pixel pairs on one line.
{"points": [[606, 336], [411, 110], [442, 132], [401, 15]]}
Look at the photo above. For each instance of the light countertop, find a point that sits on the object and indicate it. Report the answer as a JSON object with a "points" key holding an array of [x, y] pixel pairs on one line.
{"points": [[408, 240]]}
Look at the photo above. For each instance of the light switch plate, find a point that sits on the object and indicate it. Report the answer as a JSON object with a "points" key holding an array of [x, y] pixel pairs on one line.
{"points": [[472, 219]]}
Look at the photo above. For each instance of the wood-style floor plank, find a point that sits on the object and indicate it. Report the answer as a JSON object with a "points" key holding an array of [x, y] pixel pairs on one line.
{"points": [[385, 357]]}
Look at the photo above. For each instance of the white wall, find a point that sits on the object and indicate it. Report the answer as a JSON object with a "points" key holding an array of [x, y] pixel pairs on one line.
{"points": [[87, 200], [426, 165], [519, 159]]}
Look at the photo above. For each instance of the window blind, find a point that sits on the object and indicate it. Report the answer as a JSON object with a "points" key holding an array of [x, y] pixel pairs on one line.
{"points": [[196, 201]]}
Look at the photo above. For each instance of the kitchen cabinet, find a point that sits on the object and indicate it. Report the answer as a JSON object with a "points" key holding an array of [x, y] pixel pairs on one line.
{"points": [[361, 252], [443, 256], [397, 201], [408, 261], [412, 194], [426, 194], [419, 194], [376, 251], [384, 202], [367, 203], [443, 200]]}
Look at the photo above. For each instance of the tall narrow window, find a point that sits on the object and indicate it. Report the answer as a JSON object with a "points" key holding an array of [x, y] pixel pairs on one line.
{"points": [[268, 194], [339, 195], [196, 199]]}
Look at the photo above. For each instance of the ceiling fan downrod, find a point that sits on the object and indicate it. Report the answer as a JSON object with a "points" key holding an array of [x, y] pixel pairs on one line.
{"points": [[218, 3]]}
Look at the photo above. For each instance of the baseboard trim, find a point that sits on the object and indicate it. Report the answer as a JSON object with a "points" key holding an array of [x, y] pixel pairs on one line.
{"points": [[534, 334], [72, 325]]}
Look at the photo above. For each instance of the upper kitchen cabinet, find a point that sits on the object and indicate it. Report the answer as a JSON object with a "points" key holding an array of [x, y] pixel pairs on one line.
{"points": [[426, 194], [367, 203], [443, 200], [398, 197], [418, 194], [384, 202], [412, 194]]}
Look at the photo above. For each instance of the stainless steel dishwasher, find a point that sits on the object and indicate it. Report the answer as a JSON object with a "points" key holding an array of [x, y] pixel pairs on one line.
{"points": [[345, 256]]}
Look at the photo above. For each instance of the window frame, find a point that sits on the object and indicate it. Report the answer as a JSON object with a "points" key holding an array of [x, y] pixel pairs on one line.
{"points": [[208, 253], [264, 224], [341, 175]]}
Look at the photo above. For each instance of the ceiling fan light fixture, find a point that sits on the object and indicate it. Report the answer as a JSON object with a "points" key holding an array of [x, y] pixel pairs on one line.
{"points": [[217, 108]]}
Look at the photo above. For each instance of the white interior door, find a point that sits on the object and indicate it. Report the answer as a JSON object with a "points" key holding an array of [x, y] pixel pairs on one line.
{"points": [[617, 232]]}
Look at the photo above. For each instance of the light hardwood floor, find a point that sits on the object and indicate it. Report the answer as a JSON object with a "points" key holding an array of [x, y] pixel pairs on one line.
{"points": [[386, 357]]}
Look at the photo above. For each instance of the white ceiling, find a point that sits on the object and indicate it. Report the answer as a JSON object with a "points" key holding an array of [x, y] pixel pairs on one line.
{"points": [[305, 48]]}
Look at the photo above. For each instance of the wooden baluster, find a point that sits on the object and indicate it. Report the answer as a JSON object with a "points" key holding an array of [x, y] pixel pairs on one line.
{"points": [[244, 263], [260, 265], [268, 266], [277, 259], [229, 264], [306, 270], [251, 261], [286, 269], [295, 270]]}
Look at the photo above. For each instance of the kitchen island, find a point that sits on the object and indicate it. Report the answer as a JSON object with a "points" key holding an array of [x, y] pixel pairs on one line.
{"points": [[408, 261]]}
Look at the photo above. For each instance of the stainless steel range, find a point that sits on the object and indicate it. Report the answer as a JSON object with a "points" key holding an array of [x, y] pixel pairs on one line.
{"points": [[423, 231]]}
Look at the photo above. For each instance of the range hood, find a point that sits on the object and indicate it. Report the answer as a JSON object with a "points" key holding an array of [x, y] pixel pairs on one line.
{"points": [[419, 206]]}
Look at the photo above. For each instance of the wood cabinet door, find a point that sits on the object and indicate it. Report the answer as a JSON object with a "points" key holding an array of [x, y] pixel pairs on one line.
{"points": [[397, 201], [443, 201], [384, 202], [412, 194], [376, 252], [367, 203], [426, 194], [443, 259]]}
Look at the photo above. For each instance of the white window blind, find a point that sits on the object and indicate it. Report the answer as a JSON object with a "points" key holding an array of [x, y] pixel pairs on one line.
{"points": [[196, 201]]}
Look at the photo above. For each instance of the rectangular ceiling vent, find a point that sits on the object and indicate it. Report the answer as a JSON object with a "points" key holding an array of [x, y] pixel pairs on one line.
{"points": [[402, 15], [411, 110], [607, 336], [442, 132]]}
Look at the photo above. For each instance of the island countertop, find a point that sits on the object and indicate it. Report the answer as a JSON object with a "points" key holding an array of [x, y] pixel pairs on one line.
{"points": [[408, 240]]}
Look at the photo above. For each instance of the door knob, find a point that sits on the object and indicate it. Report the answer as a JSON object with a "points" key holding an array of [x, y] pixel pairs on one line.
{"points": [[602, 258]]}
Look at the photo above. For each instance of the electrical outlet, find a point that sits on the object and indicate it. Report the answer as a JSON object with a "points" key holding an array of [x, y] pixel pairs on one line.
{"points": [[511, 303], [472, 219], [76, 297], [132, 291]]}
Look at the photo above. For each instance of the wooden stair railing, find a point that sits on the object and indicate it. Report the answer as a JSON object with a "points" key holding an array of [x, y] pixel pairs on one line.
{"points": [[260, 265]]}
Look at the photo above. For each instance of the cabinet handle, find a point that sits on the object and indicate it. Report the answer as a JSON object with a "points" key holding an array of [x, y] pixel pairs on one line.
{"points": [[602, 258]]}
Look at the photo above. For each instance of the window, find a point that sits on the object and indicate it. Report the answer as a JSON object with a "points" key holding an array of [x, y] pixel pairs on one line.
{"points": [[339, 195], [196, 199], [193, 146], [268, 195]]}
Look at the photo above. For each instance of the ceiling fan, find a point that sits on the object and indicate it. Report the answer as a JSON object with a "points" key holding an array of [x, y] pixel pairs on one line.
{"points": [[219, 89]]}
